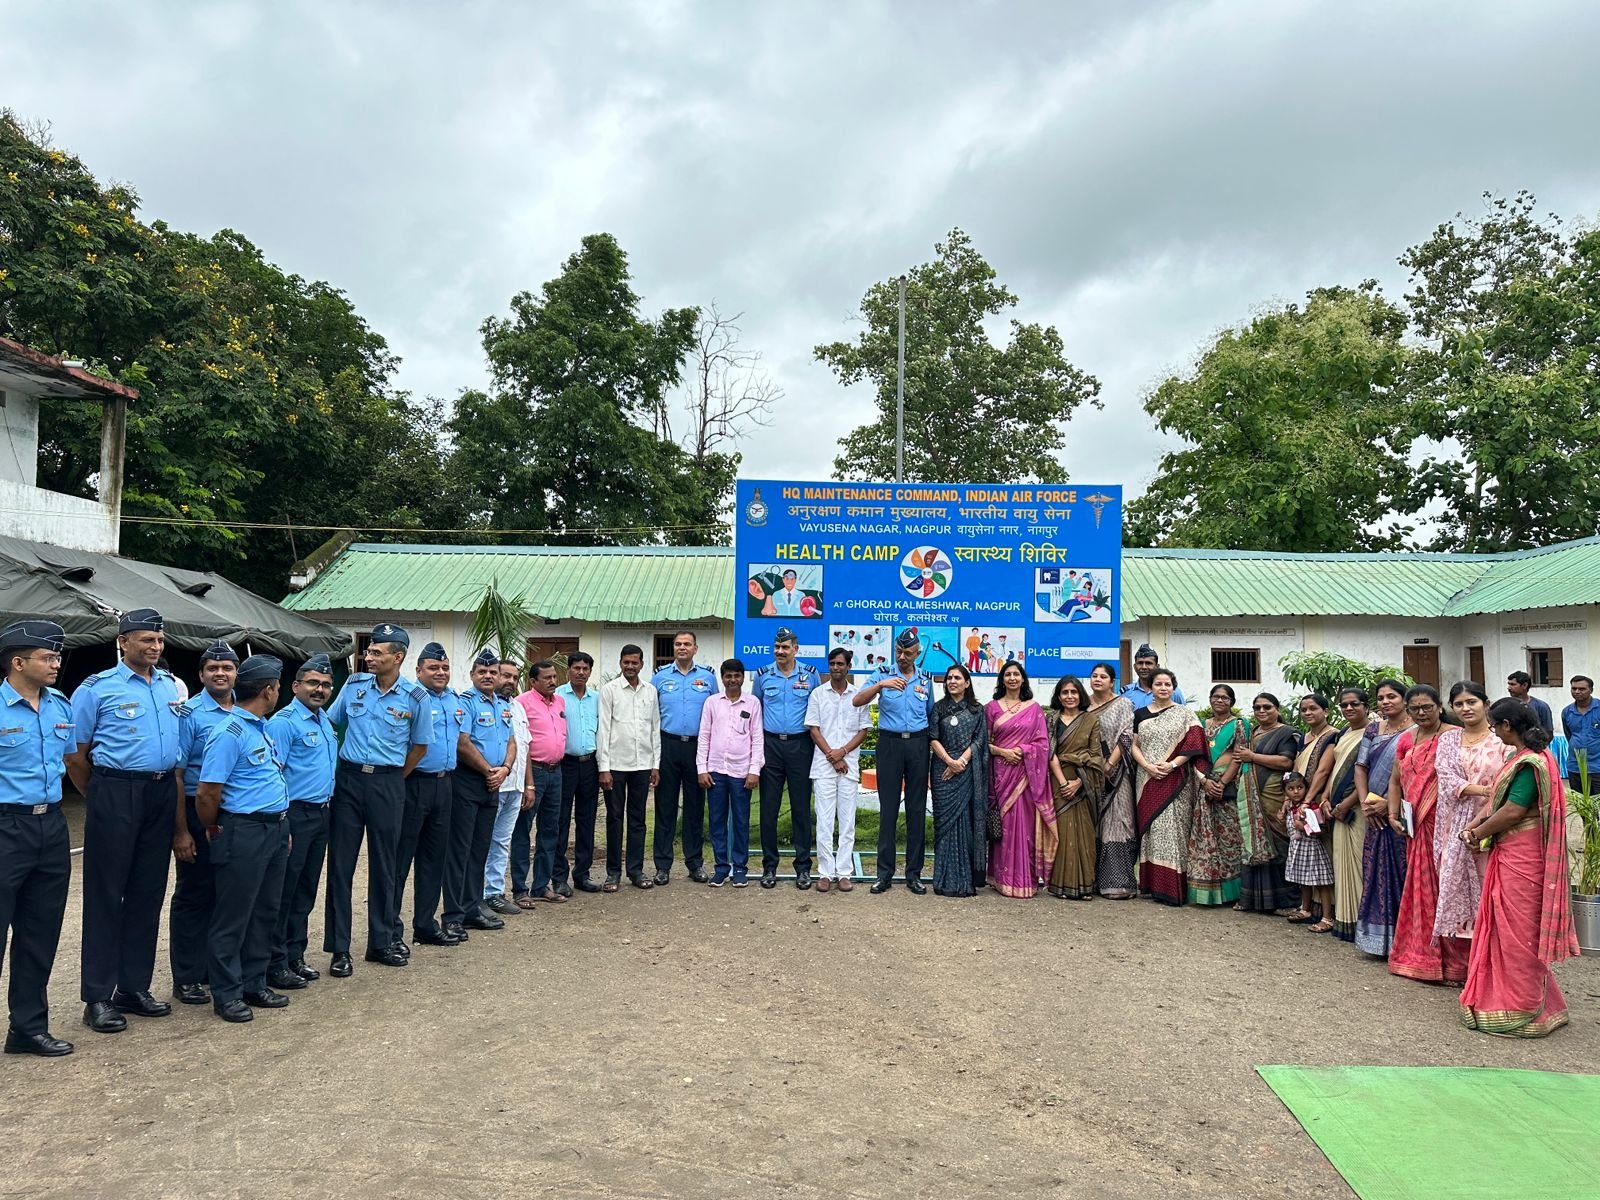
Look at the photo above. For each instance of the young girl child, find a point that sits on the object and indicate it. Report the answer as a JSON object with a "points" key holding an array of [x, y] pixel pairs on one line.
{"points": [[1309, 863]]}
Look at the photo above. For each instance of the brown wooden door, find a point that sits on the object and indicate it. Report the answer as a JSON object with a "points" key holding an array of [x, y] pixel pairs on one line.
{"points": [[1475, 665], [556, 648], [1125, 663], [1421, 663]]}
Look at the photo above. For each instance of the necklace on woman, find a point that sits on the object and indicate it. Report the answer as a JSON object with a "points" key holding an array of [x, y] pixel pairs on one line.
{"points": [[1468, 740], [1011, 705]]}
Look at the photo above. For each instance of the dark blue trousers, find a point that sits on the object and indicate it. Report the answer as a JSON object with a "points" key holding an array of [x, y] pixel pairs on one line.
{"points": [[308, 847], [547, 823], [248, 859], [471, 831], [425, 842], [189, 916], [127, 844], [35, 869], [371, 805]]}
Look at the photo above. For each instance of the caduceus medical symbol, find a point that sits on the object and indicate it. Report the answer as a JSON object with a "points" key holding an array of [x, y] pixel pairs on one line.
{"points": [[1099, 501]]}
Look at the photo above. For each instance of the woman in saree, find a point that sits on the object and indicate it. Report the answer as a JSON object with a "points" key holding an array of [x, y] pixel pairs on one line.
{"points": [[1263, 822], [960, 784], [1077, 778], [1383, 854], [1525, 917], [1341, 808], [1168, 745], [1019, 770], [1215, 849], [1310, 864], [1119, 838], [1418, 953], [1470, 758]]}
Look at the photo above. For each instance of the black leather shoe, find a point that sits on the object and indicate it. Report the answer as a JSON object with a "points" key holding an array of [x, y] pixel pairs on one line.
{"points": [[802, 878], [881, 886], [266, 998], [916, 887], [459, 932], [41, 1044], [102, 1018], [483, 920], [236, 1011], [140, 1004], [298, 966], [698, 875], [191, 993], [564, 889], [427, 937], [402, 949], [341, 967], [388, 956], [506, 908], [769, 880], [663, 878], [586, 885], [285, 979]]}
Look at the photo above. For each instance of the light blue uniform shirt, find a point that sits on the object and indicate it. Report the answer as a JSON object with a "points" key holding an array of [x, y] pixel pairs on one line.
{"points": [[243, 759], [309, 749], [784, 697], [583, 719], [380, 726], [906, 711], [132, 724], [197, 717], [446, 712], [1140, 697], [487, 722], [682, 695], [1583, 734], [33, 746]]}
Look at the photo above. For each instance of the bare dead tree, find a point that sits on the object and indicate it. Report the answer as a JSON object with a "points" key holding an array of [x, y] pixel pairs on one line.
{"points": [[729, 389]]}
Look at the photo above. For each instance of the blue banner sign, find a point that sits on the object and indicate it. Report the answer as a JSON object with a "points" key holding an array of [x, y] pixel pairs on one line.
{"points": [[985, 573]]}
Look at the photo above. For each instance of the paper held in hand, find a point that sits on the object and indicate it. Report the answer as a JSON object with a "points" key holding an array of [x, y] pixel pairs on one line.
{"points": [[1407, 814], [1313, 822]]}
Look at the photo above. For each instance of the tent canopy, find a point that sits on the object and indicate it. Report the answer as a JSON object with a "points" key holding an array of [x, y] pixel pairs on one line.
{"points": [[86, 593]]}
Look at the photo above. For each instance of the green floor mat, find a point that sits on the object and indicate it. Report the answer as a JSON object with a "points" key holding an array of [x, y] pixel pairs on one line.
{"points": [[1450, 1133]]}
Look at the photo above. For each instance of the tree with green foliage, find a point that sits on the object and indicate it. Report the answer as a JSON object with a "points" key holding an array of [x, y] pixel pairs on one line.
{"points": [[1507, 379], [1327, 673], [974, 411], [562, 443], [263, 397], [1297, 431]]}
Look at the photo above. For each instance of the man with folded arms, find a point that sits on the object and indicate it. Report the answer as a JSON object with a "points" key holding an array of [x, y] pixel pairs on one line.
{"points": [[126, 722], [386, 734], [484, 754], [305, 741], [244, 805], [36, 733]]}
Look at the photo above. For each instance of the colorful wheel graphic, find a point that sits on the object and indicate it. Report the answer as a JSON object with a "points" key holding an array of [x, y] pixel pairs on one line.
{"points": [[926, 572]]}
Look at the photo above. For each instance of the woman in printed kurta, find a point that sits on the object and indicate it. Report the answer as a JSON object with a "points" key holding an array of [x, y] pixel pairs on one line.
{"points": [[1524, 921]]}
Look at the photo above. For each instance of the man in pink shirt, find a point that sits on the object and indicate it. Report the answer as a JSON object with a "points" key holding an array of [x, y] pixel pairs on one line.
{"points": [[729, 759], [547, 742]]}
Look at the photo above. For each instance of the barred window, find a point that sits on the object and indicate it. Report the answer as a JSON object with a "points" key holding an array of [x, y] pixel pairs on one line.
{"points": [[1236, 666], [1546, 667]]}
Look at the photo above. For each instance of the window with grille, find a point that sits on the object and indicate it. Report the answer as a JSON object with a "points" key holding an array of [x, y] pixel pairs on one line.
{"points": [[1236, 666], [663, 650], [1546, 667]]}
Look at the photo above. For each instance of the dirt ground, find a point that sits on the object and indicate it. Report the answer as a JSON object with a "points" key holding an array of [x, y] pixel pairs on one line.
{"points": [[686, 1042]]}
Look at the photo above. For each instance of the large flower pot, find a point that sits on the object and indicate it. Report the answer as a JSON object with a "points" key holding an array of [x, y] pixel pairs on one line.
{"points": [[1586, 921]]}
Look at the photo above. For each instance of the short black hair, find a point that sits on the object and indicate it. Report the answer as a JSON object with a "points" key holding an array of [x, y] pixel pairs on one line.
{"points": [[1581, 679], [537, 669], [1521, 677], [630, 648], [580, 656], [841, 652], [732, 664]]}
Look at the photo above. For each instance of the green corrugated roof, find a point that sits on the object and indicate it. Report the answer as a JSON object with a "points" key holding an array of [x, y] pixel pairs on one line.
{"points": [[632, 584], [649, 584]]}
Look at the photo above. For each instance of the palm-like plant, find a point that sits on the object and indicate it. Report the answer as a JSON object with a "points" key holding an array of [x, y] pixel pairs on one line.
{"points": [[503, 622]]}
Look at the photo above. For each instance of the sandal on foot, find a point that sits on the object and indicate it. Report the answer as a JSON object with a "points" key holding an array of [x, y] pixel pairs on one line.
{"points": [[1301, 917], [1320, 927]]}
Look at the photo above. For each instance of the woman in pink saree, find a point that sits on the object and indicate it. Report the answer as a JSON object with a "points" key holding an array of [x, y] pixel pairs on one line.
{"points": [[1019, 786], [1525, 917]]}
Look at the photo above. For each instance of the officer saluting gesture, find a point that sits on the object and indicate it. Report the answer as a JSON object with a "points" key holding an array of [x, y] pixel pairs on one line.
{"points": [[35, 861]]}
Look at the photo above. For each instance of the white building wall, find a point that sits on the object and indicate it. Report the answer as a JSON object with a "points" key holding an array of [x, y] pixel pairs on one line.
{"points": [[37, 515]]}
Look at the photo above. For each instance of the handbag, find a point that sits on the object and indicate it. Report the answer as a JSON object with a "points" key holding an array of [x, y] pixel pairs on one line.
{"points": [[993, 824]]}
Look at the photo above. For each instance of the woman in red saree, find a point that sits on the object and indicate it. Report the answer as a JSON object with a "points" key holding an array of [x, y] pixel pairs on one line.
{"points": [[1019, 786], [1525, 917], [1419, 953]]}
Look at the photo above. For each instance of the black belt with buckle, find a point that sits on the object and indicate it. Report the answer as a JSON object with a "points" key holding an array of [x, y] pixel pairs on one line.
{"points": [[545, 766], [366, 768], [32, 810], [261, 818], [785, 737], [119, 773], [900, 733], [678, 737], [432, 774], [309, 803], [566, 758]]}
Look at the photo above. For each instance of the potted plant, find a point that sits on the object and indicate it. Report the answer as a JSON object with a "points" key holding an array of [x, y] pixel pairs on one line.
{"points": [[1583, 835]]}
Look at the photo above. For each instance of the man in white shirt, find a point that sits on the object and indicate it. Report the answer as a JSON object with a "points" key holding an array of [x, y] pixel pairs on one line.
{"points": [[510, 810], [838, 728], [628, 752]]}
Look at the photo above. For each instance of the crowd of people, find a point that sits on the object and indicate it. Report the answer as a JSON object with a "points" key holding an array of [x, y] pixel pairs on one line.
{"points": [[1430, 834]]}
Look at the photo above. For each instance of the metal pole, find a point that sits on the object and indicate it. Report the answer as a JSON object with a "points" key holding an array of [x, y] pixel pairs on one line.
{"points": [[900, 394]]}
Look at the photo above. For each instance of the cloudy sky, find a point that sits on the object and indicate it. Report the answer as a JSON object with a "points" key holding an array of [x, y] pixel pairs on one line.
{"points": [[1140, 174]]}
